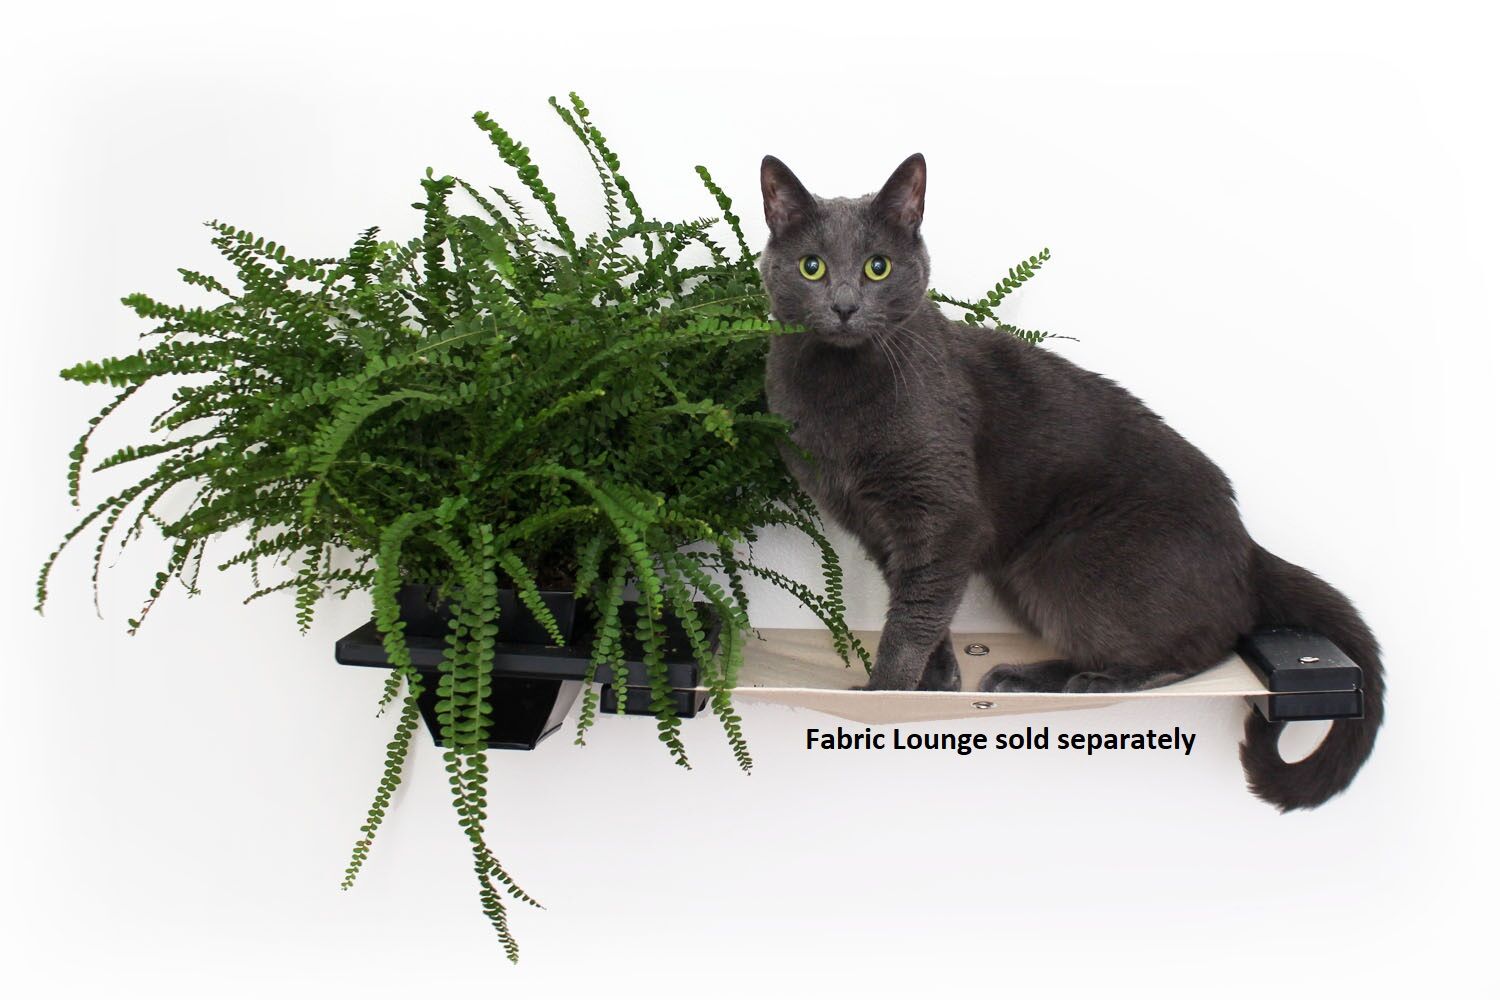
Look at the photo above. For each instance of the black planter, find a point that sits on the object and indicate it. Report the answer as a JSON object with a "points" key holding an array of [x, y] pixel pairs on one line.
{"points": [[533, 682], [424, 614]]}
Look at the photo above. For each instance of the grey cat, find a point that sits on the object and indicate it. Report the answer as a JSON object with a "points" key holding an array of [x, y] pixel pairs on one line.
{"points": [[950, 450]]}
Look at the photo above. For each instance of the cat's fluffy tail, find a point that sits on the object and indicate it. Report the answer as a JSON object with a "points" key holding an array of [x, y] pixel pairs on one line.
{"points": [[1290, 595]]}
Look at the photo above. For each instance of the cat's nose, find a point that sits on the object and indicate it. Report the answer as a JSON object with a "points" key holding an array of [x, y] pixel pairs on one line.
{"points": [[844, 312]]}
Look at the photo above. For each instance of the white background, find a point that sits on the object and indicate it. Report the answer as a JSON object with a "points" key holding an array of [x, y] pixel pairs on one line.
{"points": [[1276, 227]]}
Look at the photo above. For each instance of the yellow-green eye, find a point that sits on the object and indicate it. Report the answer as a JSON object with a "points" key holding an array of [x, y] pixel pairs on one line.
{"points": [[878, 268], [812, 267]]}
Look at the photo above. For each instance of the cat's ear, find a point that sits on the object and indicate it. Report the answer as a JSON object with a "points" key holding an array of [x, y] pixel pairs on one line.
{"points": [[904, 196], [788, 203]]}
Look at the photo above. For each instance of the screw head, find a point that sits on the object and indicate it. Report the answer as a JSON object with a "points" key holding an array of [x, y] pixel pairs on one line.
{"points": [[976, 649], [984, 704], [1307, 659]]}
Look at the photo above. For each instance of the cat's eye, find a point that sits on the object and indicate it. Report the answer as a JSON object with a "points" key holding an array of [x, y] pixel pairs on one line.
{"points": [[812, 267], [878, 267]]}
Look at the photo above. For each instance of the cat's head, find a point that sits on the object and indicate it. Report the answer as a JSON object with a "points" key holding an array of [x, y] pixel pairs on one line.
{"points": [[843, 267]]}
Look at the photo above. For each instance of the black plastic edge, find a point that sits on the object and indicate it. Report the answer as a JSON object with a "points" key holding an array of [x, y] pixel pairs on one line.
{"points": [[1310, 706], [1296, 660], [363, 648]]}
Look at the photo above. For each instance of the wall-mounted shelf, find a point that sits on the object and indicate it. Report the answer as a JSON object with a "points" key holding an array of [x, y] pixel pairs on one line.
{"points": [[798, 667], [1286, 674]]}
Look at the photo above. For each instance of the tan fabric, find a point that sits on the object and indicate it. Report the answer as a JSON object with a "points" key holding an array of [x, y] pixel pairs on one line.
{"points": [[798, 668]]}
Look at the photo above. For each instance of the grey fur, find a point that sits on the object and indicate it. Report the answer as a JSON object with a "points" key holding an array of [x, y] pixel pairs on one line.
{"points": [[950, 450]]}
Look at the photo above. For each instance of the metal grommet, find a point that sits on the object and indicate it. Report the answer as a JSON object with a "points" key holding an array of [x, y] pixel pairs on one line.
{"points": [[984, 704], [976, 649], [1307, 659]]}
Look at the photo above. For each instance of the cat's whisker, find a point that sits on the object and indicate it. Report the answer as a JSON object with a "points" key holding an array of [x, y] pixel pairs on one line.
{"points": [[924, 345], [903, 352], [890, 361], [904, 358], [902, 362]]}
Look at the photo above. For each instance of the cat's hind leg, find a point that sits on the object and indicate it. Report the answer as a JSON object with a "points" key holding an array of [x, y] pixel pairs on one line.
{"points": [[1112, 677], [1048, 675], [1132, 592], [1067, 677]]}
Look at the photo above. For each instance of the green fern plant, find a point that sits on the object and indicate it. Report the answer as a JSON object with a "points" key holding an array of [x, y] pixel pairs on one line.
{"points": [[496, 402], [982, 310]]}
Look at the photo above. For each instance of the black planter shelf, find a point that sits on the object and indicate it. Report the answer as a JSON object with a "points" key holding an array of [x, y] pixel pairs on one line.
{"points": [[1286, 674], [534, 684]]}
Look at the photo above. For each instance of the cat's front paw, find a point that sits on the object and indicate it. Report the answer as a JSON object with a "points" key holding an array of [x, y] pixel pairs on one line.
{"points": [[940, 680]]}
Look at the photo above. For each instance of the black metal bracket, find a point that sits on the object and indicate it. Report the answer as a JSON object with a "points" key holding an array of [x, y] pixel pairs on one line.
{"points": [[1306, 676]]}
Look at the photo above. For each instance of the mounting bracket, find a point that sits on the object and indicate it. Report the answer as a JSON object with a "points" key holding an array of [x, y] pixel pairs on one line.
{"points": [[1305, 674]]}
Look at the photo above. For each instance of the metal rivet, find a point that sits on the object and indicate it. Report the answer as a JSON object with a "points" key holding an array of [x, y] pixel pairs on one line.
{"points": [[1307, 659], [984, 704], [976, 649]]}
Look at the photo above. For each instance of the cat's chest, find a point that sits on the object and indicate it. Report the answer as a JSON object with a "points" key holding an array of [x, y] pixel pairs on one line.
{"points": [[866, 437], [844, 419]]}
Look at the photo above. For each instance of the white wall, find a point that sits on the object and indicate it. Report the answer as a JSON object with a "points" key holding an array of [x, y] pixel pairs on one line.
{"points": [[1276, 227]]}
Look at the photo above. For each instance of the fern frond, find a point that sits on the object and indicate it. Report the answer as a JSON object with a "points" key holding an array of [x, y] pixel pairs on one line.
{"points": [[493, 397]]}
